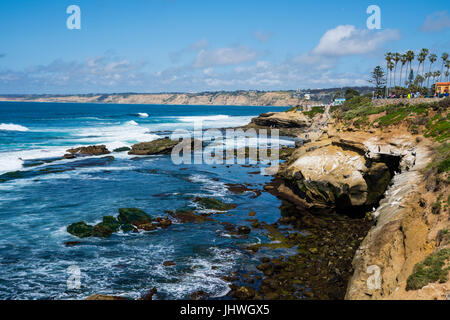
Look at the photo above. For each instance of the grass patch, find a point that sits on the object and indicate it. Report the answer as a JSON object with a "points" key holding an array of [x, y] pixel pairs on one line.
{"points": [[438, 128], [314, 111], [432, 269], [398, 112]]}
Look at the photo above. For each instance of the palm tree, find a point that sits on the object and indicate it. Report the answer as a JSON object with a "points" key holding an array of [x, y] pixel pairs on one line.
{"points": [[388, 58], [427, 77], [421, 58], [432, 59], [447, 65], [397, 56], [403, 60], [409, 57], [419, 80], [436, 75], [444, 58], [423, 55], [391, 67]]}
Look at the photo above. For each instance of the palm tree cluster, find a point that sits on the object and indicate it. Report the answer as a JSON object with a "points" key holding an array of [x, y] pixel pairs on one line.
{"points": [[406, 64]]}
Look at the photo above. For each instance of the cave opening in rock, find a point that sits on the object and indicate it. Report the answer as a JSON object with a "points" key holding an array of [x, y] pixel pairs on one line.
{"points": [[378, 179]]}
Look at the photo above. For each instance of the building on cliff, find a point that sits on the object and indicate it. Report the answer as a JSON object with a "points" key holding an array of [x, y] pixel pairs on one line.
{"points": [[442, 87]]}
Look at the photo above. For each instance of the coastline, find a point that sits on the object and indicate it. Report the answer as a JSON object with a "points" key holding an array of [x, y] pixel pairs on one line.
{"points": [[248, 98], [402, 229], [327, 248]]}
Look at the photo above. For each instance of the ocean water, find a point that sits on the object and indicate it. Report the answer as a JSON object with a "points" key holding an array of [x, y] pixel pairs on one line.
{"points": [[40, 195]]}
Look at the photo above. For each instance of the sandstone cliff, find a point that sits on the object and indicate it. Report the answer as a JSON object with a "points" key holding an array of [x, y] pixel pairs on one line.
{"points": [[390, 162], [241, 98]]}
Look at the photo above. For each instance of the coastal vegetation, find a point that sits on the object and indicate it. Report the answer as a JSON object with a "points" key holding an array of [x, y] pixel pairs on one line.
{"points": [[407, 81], [429, 119], [314, 111], [433, 268]]}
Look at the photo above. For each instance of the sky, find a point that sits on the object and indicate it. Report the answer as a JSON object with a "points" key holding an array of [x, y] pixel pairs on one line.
{"points": [[211, 45]]}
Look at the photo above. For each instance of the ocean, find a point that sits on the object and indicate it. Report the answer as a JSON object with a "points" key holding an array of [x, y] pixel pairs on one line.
{"points": [[41, 194]]}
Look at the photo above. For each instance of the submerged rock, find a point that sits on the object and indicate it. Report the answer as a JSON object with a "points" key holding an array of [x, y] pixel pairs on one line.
{"points": [[122, 149], [198, 295], [243, 230], [187, 216], [72, 243], [149, 295], [104, 297], [242, 293], [214, 204]]}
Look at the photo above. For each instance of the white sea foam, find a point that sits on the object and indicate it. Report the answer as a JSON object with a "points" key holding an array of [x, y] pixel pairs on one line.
{"points": [[10, 163], [207, 274], [13, 127], [132, 123], [13, 160], [115, 136], [216, 188], [143, 115]]}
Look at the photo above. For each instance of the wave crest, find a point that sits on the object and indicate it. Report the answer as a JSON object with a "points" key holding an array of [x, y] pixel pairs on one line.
{"points": [[13, 127]]}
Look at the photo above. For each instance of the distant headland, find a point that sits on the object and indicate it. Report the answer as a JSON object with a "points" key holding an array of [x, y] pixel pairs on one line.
{"points": [[232, 98]]}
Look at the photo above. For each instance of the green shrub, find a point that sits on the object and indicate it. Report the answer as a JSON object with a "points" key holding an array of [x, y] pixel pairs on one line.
{"points": [[314, 111], [429, 271], [445, 103]]}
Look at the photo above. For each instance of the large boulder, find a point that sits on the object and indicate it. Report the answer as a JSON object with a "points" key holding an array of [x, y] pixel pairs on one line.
{"points": [[89, 151], [133, 216], [80, 229], [159, 146], [106, 228], [291, 119], [328, 174], [214, 204]]}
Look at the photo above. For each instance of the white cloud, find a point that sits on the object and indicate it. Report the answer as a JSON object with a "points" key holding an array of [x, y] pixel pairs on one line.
{"points": [[346, 40], [224, 56], [436, 21], [100, 73], [226, 68]]}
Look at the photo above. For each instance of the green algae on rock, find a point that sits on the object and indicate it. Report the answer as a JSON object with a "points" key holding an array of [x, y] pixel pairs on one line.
{"points": [[106, 228], [122, 149], [129, 219], [80, 229], [159, 146], [187, 216], [214, 204], [133, 216]]}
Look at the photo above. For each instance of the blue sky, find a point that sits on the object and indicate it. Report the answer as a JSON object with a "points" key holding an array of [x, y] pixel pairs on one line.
{"points": [[192, 45]]}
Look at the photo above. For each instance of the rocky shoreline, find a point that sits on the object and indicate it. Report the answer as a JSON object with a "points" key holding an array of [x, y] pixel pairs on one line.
{"points": [[365, 199], [353, 200]]}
